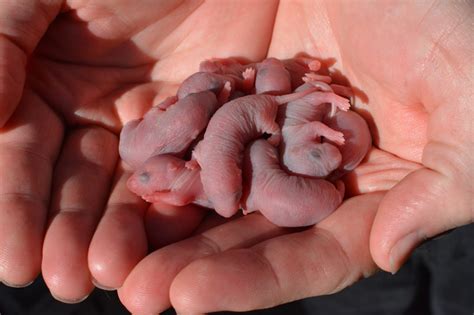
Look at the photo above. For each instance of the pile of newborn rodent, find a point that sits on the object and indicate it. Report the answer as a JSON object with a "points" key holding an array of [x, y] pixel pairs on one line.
{"points": [[274, 136]]}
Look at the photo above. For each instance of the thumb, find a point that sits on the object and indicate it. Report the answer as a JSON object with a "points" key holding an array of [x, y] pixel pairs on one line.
{"points": [[422, 205], [22, 24]]}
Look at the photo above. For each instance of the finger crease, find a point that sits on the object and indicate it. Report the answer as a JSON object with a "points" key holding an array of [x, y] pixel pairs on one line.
{"points": [[16, 43], [28, 151], [343, 257], [210, 244], [264, 260], [26, 197]]}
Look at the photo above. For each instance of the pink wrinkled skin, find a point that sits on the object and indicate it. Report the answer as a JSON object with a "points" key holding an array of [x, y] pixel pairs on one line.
{"points": [[302, 150], [214, 82], [166, 178], [167, 131], [232, 127], [357, 139], [292, 177], [267, 80], [303, 153], [285, 200], [272, 78]]}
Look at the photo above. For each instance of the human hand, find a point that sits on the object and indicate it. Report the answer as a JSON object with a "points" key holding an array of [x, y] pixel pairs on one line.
{"points": [[412, 62], [98, 66]]}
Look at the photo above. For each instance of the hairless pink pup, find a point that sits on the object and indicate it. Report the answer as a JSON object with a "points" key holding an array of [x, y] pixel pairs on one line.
{"points": [[273, 76], [358, 140], [319, 138], [335, 154], [302, 151], [215, 82], [285, 200], [169, 130], [232, 127], [166, 178], [312, 107]]}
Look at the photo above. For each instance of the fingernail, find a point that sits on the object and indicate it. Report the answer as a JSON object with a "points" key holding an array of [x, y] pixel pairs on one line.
{"points": [[102, 287], [16, 286], [67, 301], [402, 249]]}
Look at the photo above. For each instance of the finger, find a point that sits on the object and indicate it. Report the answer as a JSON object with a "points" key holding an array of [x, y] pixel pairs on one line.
{"points": [[320, 260], [120, 240], [379, 171], [422, 205], [81, 186], [146, 290], [166, 224], [22, 24], [29, 145]]}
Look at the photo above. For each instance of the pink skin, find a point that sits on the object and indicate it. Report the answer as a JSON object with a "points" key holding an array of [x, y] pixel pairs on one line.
{"points": [[296, 68], [358, 140], [303, 153], [215, 82], [166, 178], [220, 153], [317, 77], [285, 200], [167, 131], [323, 85], [272, 78], [230, 67], [312, 107], [167, 102]]}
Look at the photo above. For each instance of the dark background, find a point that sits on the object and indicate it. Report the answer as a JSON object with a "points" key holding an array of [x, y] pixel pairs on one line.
{"points": [[437, 280]]}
